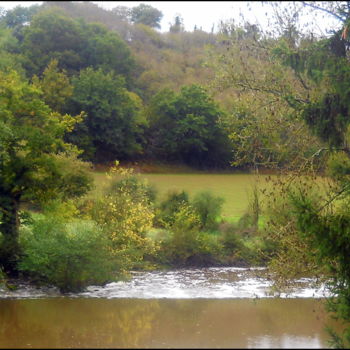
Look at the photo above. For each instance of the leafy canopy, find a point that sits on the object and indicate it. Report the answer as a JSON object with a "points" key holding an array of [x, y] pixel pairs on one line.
{"points": [[113, 121], [185, 127]]}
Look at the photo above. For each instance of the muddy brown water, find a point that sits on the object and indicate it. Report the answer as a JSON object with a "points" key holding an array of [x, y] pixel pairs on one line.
{"points": [[200, 308]]}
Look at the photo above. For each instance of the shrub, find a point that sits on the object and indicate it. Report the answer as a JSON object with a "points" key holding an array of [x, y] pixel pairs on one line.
{"points": [[208, 208], [68, 255], [169, 207], [125, 214], [208, 252], [232, 244], [185, 245], [135, 187]]}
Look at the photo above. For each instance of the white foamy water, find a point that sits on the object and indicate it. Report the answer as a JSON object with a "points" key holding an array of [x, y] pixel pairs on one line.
{"points": [[210, 283]]}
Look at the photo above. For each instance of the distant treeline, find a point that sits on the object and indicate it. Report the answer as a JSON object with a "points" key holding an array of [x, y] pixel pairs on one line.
{"points": [[189, 97], [142, 92]]}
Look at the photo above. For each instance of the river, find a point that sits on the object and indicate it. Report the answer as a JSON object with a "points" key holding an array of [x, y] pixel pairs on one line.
{"points": [[190, 308]]}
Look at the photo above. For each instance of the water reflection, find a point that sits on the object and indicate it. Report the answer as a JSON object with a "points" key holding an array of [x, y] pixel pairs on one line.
{"points": [[162, 323]]}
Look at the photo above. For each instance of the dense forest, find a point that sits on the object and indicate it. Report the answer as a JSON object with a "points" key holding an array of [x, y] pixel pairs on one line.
{"points": [[146, 95], [83, 86]]}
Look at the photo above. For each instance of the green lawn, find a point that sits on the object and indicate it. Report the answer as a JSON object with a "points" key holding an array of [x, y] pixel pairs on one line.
{"points": [[235, 189]]}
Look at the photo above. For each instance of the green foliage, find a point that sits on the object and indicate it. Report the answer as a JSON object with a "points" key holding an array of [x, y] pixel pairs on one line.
{"points": [[315, 232], [205, 205], [338, 165], [51, 35], [70, 255], [169, 207], [137, 188], [55, 86], [125, 214], [113, 124], [147, 15], [208, 208], [267, 138], [283, 232], [328, 118], [264, 124], [2, 278], [185, 127], [244, 244], [177, 26], [326, 112], [328, 235], [186, 241], [232, 244], [10, 57], [106, 50], [186, 245], [31, 139], [75, 44], [18, 16], [73, 176]]}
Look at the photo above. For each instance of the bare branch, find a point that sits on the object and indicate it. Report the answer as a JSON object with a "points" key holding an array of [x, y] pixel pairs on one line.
{"points": [[316, 7]]}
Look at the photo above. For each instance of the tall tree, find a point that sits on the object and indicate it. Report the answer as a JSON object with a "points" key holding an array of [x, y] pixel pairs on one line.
{"points": [[75, 44], [146, 14], [265, 120], [177, 26], [113, 123], [34, 159], [186, 127], [315, 225]]}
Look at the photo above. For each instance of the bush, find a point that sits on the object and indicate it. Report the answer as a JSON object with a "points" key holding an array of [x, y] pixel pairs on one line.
{"points": [[68, 255], [185, 245], [125, 213], [134, 186], [208, 252], [181, 241], [208, 208], [169, 207], [232, 244]]}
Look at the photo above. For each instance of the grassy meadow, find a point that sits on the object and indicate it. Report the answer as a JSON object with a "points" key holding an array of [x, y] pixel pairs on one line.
{"points": [[235, 189]]}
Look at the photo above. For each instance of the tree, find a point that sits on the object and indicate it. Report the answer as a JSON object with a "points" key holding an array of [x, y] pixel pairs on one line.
{"points": [[74, 44], [33, 158], [185, 127], [265, 121], [267, 137], [122, 12], [18, 17], [113, 123], [325, 223], [177, 26], [315, 228], [146, 14], [10, 56], [106, 50], [52, 35], [55, 86], [304, 81]]}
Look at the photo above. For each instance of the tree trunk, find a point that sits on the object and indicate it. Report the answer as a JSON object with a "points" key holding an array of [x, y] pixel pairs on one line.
{"points": [[9, 227]]}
